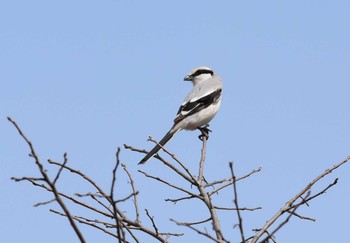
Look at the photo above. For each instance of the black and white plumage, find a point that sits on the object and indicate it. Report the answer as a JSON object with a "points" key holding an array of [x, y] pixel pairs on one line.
{"points": [[198, 108]]}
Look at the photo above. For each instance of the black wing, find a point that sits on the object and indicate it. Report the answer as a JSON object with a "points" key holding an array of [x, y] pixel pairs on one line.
{"points": [[195, 106]]}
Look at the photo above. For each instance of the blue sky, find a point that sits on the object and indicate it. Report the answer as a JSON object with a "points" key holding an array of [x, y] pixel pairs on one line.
{"points": [[85, 77]]}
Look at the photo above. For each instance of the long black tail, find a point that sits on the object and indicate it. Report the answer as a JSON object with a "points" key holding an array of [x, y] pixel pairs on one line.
{"points": [[156, 148]]}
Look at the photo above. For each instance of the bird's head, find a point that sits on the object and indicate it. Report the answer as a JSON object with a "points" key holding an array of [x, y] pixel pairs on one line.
{"points": [[199, 74]]}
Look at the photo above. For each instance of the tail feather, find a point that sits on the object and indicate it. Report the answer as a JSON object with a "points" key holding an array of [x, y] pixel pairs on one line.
{"points": [[156, 148]]}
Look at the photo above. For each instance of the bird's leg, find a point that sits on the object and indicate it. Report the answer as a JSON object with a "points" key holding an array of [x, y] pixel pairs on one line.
{"points": [[205, 132]]}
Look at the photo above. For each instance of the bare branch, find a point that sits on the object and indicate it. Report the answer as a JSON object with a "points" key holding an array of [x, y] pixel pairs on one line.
{"points": [[120, 212], [44, 203], [218, 182], [270, 235], [306, 200], [178, 199], [167, 183], [289, 204], [85, 177], [240, 221], [176, 170], [231, 181], [115, 173], [126, 198], [152, 220], [120, 231], [240, 209], [192, 180], [134, 193], [143, 151], [95, 198], [50, 183], [122, 227], [198, 222], [27, 179], [85, 221], [74, 200], [301, 217], [65, 160], [196, 230], [123, 223]]}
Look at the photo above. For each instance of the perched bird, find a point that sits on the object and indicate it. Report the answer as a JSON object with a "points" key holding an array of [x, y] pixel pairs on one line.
{"points": [[198, 108]]}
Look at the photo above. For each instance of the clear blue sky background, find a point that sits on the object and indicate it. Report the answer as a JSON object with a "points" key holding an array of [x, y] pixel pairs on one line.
{"points": [[85, 77]]}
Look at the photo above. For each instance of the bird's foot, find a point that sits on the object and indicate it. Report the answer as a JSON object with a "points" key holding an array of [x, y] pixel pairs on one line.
{"points": [[205, 132]]}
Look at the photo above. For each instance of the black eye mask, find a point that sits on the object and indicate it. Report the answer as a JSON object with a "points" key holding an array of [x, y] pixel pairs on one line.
{"points": [[202, 71]]}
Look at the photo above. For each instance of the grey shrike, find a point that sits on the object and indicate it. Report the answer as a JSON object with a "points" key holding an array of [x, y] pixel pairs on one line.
{"points": [[198, 108]]}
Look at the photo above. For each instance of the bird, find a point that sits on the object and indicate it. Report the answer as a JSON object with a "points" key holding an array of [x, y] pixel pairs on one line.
{"points": [[198, 108]]}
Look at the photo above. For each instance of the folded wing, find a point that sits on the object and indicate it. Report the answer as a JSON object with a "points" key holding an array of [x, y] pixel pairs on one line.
{"points": [[195, 105]]}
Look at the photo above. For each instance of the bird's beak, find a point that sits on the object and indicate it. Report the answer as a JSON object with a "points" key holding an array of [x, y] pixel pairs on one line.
{"points": [[188, 78]]}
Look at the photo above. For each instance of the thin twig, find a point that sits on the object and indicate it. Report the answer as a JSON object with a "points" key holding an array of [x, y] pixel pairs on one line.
{"points": [[231, 182], [239, 209], [120, 231], [194, 229], [198, 222], [169, 184], [190, 179], [27, 179], [114, 177], [301, 217], [65, 160], [218, 182], [134, 193], [96, 198], [178, 199], [152, 220], [44, 203], [240, 220], [143, 151]]}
